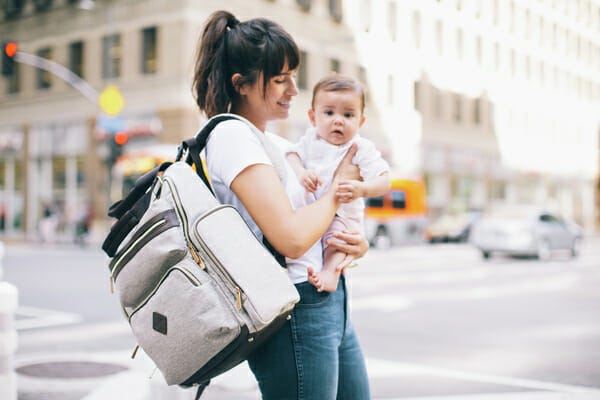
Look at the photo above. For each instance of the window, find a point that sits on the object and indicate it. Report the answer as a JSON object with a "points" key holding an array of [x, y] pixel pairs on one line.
{"points": [[477, 111], [513, 63], [76, 58], [304, 4], [437, 103], [479, 50], [439, 37], [149, 52], [417, 97], [302, 74], [334, 65], [392, 19], [111, 56], [497, 56], [335, 10], [362, 75], [365, 14], [498, 190], [459, 44], [398, 199], [458, 107], [417, 29], [390, 94], [44, 78], [375, 202]]}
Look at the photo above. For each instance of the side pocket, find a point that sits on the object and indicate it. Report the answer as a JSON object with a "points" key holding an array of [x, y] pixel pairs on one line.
{"points": [[155, 247], [184, 322]]}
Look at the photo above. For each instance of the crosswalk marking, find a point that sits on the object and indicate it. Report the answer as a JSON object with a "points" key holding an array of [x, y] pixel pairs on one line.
{"points": [[390, 369], [33, 317]]}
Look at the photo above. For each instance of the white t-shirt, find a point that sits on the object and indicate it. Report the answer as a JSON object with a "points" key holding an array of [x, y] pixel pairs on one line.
{"points": [[231, 148], [323, 158]]}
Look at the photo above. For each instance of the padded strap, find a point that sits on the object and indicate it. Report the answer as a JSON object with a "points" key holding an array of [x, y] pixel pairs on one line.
{"points": [[118, 209], [121, 228]]}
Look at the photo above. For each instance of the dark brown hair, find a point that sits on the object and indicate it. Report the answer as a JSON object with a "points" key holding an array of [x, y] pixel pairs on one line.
{"points": [[337, 82], [228, 46]]}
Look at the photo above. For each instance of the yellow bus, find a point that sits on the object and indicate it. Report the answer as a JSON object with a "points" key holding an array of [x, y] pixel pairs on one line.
{"points": [[398, 217]]}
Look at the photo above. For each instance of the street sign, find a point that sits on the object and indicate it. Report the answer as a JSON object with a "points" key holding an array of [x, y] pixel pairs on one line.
{"points": [[111, 100]]}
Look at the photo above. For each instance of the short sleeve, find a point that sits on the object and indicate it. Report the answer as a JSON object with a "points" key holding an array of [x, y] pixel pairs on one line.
{"points": [[299, 147], [369, 160], [231, 148]]}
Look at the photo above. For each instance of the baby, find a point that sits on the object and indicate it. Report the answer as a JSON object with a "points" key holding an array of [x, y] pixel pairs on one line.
{"points": [[336, 114]]}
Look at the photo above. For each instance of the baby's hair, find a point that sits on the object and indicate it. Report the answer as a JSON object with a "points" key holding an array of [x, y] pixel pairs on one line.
{"points": [[337, 83]]}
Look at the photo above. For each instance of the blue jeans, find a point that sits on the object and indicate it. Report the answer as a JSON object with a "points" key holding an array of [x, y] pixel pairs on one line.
{"points": [[316, 354]]}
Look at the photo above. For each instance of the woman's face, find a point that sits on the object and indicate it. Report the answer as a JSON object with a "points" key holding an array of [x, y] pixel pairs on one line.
{"points": [[274, 103]]}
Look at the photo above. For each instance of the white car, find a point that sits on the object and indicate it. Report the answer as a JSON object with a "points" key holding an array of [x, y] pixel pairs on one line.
{"points": [[536, 234], [1, 258]]}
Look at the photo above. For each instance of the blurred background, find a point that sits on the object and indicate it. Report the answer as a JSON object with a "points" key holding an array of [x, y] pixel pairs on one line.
{"points": [[487, 110], [482, 103]]}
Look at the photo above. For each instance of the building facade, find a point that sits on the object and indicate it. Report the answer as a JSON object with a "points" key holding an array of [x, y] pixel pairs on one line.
{"points": [[489, 101]]}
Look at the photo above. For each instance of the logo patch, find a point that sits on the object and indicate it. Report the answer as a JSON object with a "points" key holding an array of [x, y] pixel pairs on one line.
{"points": [[159, 323]]}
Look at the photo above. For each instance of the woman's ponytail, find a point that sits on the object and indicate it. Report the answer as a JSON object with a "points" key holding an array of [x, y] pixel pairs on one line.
{"points": [[255, 48], [212, 88]]}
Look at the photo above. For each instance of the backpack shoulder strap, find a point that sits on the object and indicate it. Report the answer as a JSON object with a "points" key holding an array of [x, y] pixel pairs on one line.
{"points": [[196, 144]]}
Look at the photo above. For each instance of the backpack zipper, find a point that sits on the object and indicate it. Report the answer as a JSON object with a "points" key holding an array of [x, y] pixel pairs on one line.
{"points": [[115, 269], [217, 264], [184, 271]]}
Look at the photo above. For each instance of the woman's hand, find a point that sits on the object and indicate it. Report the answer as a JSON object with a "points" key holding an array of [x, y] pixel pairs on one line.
{"points": [[350, 242], [346, 170]]}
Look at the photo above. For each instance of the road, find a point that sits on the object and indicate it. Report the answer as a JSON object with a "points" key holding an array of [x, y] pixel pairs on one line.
{"points": [[434, 320]]}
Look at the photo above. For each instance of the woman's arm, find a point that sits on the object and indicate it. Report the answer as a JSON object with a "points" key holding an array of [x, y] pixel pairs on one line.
{"points": [[291, 232]]}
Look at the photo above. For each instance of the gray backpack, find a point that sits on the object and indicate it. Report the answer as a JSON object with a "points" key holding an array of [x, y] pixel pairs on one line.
{"points": [[200, 291]]}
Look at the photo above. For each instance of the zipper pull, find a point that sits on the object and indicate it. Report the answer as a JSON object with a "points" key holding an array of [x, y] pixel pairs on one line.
{"points": [[196, 256], [135, 350], [238, 298]]}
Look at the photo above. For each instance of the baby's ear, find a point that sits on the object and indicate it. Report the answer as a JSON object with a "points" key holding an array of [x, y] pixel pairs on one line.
{"points": [[362, 120], [311, 117]]}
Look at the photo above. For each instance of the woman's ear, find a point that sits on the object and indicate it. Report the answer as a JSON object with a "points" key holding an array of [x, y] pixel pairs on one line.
{"points": [[238, 83]]}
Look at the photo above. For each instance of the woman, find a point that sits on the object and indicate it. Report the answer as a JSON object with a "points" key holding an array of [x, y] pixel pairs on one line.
{"points": [[247, 68]]}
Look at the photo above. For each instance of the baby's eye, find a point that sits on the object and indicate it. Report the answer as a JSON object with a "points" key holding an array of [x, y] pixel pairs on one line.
{"points": [[348, 115], [329, 113]]}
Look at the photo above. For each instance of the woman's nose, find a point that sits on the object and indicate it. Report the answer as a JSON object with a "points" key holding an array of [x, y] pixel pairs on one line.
{"points": [[292, 88]]}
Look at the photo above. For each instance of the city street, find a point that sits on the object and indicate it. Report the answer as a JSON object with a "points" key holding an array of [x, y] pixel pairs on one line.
{"points": [[435, 321]]}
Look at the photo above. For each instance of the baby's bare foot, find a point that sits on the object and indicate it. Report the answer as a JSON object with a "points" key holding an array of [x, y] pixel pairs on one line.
{"points": [[323, 280]]}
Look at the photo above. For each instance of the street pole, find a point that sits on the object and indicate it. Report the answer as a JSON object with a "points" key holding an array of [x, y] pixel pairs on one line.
{"points": [[8, 336]]}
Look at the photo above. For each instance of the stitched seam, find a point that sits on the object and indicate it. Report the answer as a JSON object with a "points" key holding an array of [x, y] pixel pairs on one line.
{"points": [[298, 358]]}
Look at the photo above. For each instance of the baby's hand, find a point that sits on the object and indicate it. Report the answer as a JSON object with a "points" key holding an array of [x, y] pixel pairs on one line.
{"points": [[348, 191], [310, 180]]}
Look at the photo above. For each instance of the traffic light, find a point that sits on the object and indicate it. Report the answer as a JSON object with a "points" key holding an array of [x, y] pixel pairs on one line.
{"points": [[116, 144], [9, 50]]}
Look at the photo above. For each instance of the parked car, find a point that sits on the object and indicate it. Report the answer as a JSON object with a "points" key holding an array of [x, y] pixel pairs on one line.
{"points": [[534, 233], [1, 258], [451, 227]]}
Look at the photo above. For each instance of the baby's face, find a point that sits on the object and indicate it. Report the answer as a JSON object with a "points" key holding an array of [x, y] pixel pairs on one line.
{"points": [[337, 115]]}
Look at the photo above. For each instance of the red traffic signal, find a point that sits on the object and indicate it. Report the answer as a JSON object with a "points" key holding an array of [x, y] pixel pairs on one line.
{"points": [[121, 138], [9, 50]]}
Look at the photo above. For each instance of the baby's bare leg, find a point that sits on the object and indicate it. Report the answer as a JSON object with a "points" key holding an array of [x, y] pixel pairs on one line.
{"points": [[327, 279]]}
